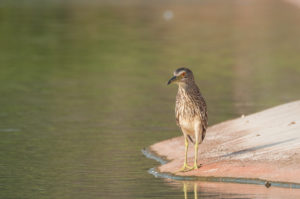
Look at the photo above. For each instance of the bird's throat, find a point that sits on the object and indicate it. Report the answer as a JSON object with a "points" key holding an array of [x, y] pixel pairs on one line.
{"points": [[183, 87]]}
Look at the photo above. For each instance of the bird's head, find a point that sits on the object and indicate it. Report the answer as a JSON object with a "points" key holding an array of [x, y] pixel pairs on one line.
{"points": [[182, 76]]}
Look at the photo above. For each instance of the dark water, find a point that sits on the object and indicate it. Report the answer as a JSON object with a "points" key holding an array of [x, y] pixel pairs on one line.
{"points": [[83, 87]]}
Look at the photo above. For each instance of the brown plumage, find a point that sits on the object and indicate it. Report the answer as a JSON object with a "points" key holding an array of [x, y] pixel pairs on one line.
{"points": [[190, 111]]}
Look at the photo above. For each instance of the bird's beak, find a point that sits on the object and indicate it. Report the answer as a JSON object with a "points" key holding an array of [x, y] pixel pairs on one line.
{"points": [[174, 78]]}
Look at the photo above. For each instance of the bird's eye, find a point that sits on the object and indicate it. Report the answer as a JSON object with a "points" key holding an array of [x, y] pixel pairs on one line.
{"points": [[183, 74]]}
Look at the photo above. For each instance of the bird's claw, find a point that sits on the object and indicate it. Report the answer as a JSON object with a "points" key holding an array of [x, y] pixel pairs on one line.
{"points": [[186, 168]]}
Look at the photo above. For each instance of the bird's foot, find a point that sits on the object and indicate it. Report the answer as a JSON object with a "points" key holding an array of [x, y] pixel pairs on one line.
{"points": [[185, 168], [195, 166]]}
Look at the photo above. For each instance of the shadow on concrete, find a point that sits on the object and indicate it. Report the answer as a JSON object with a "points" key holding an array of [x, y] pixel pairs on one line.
{"points": [[256, 148]]}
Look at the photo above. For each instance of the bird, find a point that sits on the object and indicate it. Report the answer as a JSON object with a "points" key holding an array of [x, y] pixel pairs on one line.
{"points": [[190, 112]]}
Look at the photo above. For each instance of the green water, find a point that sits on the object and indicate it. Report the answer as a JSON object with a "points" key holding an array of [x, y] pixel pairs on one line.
{"points": [[83, 86]]}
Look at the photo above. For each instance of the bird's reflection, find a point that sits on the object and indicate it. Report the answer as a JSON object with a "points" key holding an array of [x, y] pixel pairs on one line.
{"points": [[185, 191]]}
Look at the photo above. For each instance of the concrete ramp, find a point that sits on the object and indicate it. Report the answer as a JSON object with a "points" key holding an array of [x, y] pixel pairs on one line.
{"points": [[264, 146]]}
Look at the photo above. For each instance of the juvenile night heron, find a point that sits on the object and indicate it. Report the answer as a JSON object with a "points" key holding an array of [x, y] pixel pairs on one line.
{"points": [[190, 111]]}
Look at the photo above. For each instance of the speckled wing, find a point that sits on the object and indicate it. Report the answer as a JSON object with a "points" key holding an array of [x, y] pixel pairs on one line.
{"points": [[204, 122], [203, 113]]}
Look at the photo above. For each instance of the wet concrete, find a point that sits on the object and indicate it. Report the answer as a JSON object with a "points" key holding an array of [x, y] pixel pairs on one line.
{"points": [[264, 146]]}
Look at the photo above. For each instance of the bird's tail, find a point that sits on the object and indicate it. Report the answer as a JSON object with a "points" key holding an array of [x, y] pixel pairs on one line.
{"points": [[191, 139]]}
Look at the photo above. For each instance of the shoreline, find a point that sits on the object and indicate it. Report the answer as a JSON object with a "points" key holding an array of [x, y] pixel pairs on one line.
{"points": [[153, 171], [254, 149]]}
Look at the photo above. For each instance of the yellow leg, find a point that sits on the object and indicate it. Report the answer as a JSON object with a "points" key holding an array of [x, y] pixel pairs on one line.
{"points": [[196, 156], [185, 166]]}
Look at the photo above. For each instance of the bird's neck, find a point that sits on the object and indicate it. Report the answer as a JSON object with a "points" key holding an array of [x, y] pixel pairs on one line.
{"points": [[184, 88], [188, 91]]}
